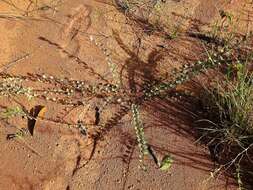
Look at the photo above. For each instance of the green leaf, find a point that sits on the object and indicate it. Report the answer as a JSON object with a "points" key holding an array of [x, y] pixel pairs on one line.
{"points": [[166, 163]]}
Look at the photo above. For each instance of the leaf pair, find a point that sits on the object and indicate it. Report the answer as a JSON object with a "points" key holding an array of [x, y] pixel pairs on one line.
{"points": [[35, 113]]}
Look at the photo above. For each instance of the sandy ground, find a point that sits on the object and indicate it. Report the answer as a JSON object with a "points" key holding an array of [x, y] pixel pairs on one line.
{"points": [[55, 158]]}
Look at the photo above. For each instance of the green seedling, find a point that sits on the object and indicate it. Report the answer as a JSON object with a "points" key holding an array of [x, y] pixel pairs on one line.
{"points": [[166, 163], [20, 134]]}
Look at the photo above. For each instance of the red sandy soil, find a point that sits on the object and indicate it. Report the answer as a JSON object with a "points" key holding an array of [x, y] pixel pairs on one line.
{"points": [[49, 37]]}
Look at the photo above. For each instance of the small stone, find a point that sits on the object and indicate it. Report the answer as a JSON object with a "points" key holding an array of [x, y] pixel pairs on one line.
{"points": [[91, 38]]}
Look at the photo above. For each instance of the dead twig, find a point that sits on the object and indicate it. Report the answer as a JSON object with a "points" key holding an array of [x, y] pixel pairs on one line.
{"points": [[11, 63]]}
